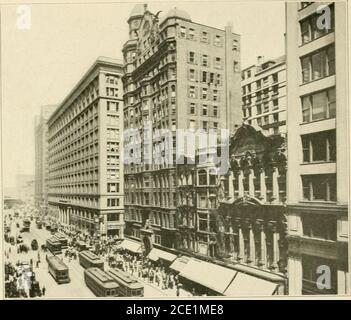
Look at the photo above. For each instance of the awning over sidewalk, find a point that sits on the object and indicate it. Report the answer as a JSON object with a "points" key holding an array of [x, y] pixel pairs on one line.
{"points": [[209, 275], [131, 246], [179, 263], [156, 254], [246, 285]]}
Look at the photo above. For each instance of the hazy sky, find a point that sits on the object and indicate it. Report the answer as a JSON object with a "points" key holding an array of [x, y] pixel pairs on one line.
{"points": [[40, 65]]}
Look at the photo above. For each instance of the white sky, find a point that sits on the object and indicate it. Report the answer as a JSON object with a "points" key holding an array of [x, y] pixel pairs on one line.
{"points": [[42, 64]]}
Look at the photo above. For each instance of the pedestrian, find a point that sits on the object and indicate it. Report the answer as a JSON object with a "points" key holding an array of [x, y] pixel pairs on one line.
{"points": [[31, 262], [43, 291], [178, 291]]}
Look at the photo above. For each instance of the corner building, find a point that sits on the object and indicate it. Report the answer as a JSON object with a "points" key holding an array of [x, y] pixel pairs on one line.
{"points": [[85, 162], [179, 75], [317, 113]]}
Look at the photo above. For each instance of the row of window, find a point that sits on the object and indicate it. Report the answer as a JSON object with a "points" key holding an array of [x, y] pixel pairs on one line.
{"points": [[206, 110], [205, 60], [205, 93], [205, 125], [192, 34], [205, 77], [260, 83]]}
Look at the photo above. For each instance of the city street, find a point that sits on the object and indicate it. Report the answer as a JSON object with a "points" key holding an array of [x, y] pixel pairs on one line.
{"points": [[76, 288]]}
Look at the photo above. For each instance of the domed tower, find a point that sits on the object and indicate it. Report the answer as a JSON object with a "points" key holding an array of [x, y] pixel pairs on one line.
{"points": [[135, 18]]}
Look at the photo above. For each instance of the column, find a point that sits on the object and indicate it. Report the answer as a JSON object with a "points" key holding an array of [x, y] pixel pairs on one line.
{"points": [[251, 183], [263, 189], [275, 185], [295, 275], [263, 246], [275, 246], [230, 184], [252, 252], [241, 184], [241, 253]]}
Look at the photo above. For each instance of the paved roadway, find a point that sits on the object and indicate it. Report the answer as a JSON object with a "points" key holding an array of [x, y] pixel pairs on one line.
{"points": [[76, 288]]}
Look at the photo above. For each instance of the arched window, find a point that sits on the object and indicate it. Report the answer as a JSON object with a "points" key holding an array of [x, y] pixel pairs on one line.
{"points": [[202, 175]]}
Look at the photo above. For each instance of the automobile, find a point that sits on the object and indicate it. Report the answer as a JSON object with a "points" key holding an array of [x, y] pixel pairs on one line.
{"points": [[34, 244], [12, 240], [34, 290], [19, 239]]}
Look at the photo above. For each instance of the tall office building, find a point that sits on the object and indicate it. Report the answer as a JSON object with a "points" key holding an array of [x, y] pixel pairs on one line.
{"points": [[179, 74], [41, 157], [85, 162], [317, 113], [264, 94]]}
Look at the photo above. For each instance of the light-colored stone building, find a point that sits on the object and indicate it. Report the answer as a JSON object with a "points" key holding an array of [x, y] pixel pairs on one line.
{"points": [[41, 157], [318, 163], [264, 95], [85, 158]]}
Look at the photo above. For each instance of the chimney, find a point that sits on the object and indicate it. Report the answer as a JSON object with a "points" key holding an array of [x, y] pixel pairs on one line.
{"points": [[260, 60], [145, 7]]}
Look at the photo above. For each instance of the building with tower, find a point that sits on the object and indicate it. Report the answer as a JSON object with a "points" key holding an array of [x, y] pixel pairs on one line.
{"points": [[179, 74]]}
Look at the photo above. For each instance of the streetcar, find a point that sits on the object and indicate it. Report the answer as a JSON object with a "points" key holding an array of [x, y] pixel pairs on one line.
{"points": [[129, 286], [62, 239], [54, 245], [100, 283], [88, 259], [58, 269]]}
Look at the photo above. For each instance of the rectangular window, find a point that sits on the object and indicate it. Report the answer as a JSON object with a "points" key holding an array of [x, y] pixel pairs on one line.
{"points": [[218, 62], [204, 93], [215, 111], [215, 95], [318, 106], [318, 65], [192, 57], [192, 92], [319, 187], [182, 32], [204, 76], [113, 187], [192, 74], [191, 34], [204, 125], [204, 110], [204, 37], [319, 147], [204, 61], [192, 108], [218, 40]]}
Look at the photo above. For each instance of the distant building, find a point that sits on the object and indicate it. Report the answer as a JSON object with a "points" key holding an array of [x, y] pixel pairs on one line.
{"points": [[264, 95], [318, 161], [41, 157], [85, 163], [179, 74]]}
